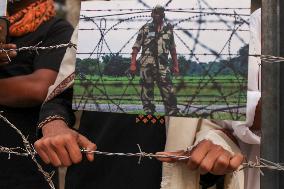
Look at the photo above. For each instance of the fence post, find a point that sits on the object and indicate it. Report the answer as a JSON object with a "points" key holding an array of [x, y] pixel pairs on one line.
{"points": [[272, 147]]}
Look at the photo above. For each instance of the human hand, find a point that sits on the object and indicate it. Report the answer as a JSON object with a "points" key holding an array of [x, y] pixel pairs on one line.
{"points": [[133, 67], [4, 55], [208, 158], [60, 145], [176, 70]]}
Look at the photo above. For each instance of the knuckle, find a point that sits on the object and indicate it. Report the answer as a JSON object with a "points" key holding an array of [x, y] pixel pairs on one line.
{"points": [[38, 144], [70, 136], [77, 159], [207, 142], [195, 161], [93, 146], [218, 148], [234, 166], [57, 141], [204, 168], [222, 162], [45, 142]]}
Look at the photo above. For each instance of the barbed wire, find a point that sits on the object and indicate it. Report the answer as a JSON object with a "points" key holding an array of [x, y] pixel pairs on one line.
{"points": [[27, 151], [37, 48], [191, 29], [232, 20], [236, 19], [144, 9]]}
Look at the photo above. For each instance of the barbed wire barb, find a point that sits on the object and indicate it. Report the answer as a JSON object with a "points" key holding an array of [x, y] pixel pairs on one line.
{"points": [[29, 151]]}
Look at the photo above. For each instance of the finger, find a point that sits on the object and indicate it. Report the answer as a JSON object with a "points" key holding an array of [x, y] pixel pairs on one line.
{"points": [[198, 154], [168, 159], [74, 151], [208, 162], [8, 46], [235, 162], [87, 144], [12, 54], [47, 148], [41, 153], [4, 56], [221, 164], [61, 153]]}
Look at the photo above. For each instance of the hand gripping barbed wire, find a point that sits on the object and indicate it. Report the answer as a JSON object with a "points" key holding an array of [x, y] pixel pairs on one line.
{"points": [[36, 48], [29, 151]]}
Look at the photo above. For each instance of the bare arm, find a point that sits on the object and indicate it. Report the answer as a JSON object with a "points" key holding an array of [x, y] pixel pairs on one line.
{"points": [[175, 60], [27, 90], [133, 63]]}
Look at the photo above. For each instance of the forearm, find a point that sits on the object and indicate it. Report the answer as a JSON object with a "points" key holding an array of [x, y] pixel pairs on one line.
{"points": [[174, 56], [21, 91], [134, 56], [58, 107]]}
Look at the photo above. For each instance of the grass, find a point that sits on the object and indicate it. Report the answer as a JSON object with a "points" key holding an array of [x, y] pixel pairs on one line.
{"points": [[197, 90]]}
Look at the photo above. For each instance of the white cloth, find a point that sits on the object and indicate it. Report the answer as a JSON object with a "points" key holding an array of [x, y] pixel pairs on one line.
{"points": [[185, 132], [182, 131], [66, 70]]}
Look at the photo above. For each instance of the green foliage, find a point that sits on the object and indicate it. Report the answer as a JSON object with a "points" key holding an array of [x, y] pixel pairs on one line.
{"points": [[118, 66]]}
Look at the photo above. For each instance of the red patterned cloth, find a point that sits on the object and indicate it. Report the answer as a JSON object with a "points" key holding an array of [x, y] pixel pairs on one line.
{"points": [[30, 18]]}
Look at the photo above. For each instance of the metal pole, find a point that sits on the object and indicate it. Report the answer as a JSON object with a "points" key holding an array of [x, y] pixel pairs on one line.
{"points": [[272, 147], [281, 52]]}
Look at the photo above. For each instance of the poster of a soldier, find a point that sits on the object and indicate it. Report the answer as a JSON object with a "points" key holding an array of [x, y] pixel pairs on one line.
{"points": [[179, 58]]}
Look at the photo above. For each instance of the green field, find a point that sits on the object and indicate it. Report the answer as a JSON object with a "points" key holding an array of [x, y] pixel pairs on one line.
{"points": [[193, 90]]}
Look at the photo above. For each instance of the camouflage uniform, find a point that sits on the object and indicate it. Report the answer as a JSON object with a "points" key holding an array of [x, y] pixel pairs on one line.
{"points": [[155, 67]]}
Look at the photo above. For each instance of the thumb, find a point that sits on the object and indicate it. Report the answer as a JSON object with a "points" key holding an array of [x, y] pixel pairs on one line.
{"points": [[87, 144], [170, 159]]}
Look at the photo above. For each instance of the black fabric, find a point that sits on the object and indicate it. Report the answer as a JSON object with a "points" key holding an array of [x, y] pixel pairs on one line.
{"points": [[118, 133], [208, 180], [60, 106], [20, 170], [113, 133]]}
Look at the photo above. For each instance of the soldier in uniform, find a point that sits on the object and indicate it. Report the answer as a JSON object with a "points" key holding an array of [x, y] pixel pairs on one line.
{"points": [[157, 41]]}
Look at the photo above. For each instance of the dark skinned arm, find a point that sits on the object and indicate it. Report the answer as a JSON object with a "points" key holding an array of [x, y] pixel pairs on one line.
{"points": [[175, 60], [27, 90]]}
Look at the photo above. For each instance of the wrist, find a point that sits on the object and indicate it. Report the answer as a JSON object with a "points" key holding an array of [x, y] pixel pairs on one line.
{"points": [[50, 119], [54, 127]]}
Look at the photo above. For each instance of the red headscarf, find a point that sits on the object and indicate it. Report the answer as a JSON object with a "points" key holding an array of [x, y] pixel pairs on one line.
{"points": [[30, 18]]}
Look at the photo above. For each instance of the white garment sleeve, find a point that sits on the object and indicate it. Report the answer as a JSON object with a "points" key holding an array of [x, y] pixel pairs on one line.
{"points": [[241, 128]]}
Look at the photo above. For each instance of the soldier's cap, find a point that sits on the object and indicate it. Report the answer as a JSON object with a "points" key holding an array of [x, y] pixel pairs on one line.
{"points": [[159, 8]]}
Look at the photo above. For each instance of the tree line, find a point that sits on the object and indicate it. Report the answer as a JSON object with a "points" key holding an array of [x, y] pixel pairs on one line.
{"points": [[116, 65]]}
